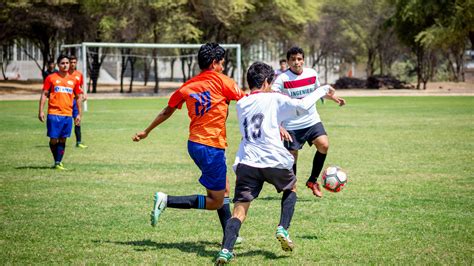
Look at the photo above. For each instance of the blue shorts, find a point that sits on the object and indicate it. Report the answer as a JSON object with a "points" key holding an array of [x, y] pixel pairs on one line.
{"points": [[75, 111], [59, 126], [211, 161]]}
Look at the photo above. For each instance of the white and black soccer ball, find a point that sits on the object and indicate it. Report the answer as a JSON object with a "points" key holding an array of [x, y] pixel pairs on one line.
{"points": [[334, 178]]}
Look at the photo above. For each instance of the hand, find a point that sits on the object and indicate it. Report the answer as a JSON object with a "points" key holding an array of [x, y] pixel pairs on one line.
{"points": [[331, 92], [139, 136], [84, 97], [339, 101], [77, 121], [41, 116], [285, 135]]}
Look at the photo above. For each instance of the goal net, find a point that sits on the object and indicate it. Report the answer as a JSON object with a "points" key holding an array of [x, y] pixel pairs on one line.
{"points": [[144, 67]]}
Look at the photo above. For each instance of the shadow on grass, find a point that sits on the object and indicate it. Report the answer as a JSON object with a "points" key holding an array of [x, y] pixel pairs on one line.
{"points": [[278, 198], [32, 167], [310, 237], [201, 248]]}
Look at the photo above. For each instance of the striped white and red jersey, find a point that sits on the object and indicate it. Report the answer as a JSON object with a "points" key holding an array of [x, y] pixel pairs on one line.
{"points": [[260, 116], [297, 87]]}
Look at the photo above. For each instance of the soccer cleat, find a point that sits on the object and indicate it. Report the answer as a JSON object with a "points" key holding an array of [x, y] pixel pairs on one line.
{"points": [[80, 145], [159, 206], [315, 188], [284, 238], [59, 166], [224, 257]]}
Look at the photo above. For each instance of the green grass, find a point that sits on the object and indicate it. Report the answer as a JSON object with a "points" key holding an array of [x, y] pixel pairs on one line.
{"points": [[409, 199]]}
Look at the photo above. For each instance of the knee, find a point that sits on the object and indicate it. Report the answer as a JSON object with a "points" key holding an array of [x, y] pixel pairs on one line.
{"points": [[323, 147], [214, 204], [53, 141]]}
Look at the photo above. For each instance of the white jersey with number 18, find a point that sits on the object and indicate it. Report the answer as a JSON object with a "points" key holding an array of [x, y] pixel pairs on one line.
{"points": [[260, 116]]}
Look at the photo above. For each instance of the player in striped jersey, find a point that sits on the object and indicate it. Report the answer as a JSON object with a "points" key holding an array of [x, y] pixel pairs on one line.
{"points": [[298, 82], [261, 156]]}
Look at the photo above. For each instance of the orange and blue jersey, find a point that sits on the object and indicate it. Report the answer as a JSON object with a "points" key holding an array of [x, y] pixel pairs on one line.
{"points": [[207, 98], [62, 91], [78, 76]]}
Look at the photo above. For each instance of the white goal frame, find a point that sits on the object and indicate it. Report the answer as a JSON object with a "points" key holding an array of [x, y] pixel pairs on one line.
{"points": [[85, 45]]}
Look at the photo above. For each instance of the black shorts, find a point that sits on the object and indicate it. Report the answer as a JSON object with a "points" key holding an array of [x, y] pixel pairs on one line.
{"points": [[250, 181], [300, 136]]}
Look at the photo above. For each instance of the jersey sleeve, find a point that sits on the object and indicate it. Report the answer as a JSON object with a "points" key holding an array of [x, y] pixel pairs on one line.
{"points": [[77, 88], [296, 107], [47, 84], [231, 91], [176, 100], [278, 84]]}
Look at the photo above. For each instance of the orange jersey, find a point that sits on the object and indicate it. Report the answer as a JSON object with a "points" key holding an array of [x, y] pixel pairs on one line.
{"points": [[61, 93], [207, 98], [78, 76]]}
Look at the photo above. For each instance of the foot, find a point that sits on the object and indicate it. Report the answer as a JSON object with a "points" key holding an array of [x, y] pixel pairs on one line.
{"points": [[284, 237], [159, 205], [59, 166], [224, 257], [239, 240], [315, 188], [80, 145]]}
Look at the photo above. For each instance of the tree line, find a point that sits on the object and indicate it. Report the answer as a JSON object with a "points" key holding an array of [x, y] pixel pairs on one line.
{"points": [[433, 34]]}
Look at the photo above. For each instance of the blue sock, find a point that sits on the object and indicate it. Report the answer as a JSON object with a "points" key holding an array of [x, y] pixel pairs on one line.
{"points": [[187, 202], [60, 151], [231, 232], [288, 202]]}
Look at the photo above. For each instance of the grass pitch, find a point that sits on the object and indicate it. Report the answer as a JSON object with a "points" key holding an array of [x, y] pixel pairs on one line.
{"points": [[409, 199]]}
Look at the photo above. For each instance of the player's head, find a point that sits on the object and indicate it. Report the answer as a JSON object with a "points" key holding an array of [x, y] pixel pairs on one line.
{"points": [[283, 64], [295, 56], [63, 63], [51, 65], [72, 62], [259, 76], [211, 56]]}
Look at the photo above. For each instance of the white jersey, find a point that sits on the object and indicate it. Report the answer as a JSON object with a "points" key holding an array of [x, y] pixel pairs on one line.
{"points": [[260, 116], [297, 87]]}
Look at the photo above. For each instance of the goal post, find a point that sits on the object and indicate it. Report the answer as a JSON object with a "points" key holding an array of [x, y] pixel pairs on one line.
{"points": [[85, 45]]}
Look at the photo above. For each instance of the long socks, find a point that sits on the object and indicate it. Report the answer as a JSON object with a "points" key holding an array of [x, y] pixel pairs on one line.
{"points": [[61, 147], [318, 162], [288, 202], [54, 151], [224, 213], [77, 131], [231, 232], [187, 202]]}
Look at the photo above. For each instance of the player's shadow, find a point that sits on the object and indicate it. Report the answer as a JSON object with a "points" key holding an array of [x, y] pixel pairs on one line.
{"points": [[278, 198], [32, 167], [200, 248]]}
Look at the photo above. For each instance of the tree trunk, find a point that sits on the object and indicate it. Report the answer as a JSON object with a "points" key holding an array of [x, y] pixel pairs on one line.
{"points": [[146, 71], [183, 68], [132, 72], [172, 68], [124, 67], [155, 69]]}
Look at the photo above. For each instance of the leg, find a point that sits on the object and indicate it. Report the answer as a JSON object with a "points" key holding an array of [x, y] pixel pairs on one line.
{"points": [[224, 211], [322, 145], [295, 156], [53, 146], [61, 149]]}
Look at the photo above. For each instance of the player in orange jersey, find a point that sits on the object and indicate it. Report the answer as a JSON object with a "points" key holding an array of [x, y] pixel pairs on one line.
{"points": [[207, 98], [75, 111], [61, 88]]}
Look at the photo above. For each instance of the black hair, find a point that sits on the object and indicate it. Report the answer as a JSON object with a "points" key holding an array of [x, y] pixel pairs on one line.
{"points": [[282, 61], [208, 53], [72, 57], [61, 57], [50, 62], [258, 73], [294, 50]]}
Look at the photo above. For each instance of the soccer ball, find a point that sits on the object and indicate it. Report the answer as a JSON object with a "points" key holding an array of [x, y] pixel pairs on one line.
{"points": [[334, 178]]}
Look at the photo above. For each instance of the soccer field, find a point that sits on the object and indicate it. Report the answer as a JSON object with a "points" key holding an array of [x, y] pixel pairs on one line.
{"points": [[409, 200]]}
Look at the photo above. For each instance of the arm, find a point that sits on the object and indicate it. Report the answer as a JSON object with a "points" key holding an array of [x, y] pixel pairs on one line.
{"points": [[332, 96], [44, 95], [160, 118], [309, 101], [77, 121]]}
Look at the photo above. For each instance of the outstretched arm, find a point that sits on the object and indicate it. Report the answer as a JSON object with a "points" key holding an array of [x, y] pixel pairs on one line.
{"points": [[160, 118], [332, 96]]}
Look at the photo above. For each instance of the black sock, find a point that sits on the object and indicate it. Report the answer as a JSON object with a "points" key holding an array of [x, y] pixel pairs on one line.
{"points": [[288, 202], [231, 232], [60, 151], [294, 168], [187, 202], [54, 151], [224, 213], [318, 162], [77, 131]]}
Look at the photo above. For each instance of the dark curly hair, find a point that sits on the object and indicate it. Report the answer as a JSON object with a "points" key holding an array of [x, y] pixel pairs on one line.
{"points": [[258, 73], [208, 53]]}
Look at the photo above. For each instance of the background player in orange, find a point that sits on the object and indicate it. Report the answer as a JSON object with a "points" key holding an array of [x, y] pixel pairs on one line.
{"points": [[207, 97], [75, 110], [61, 88]]}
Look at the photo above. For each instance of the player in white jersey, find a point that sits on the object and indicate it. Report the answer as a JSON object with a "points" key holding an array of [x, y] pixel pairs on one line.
{"points": [[298, 82], [262, 156]]}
